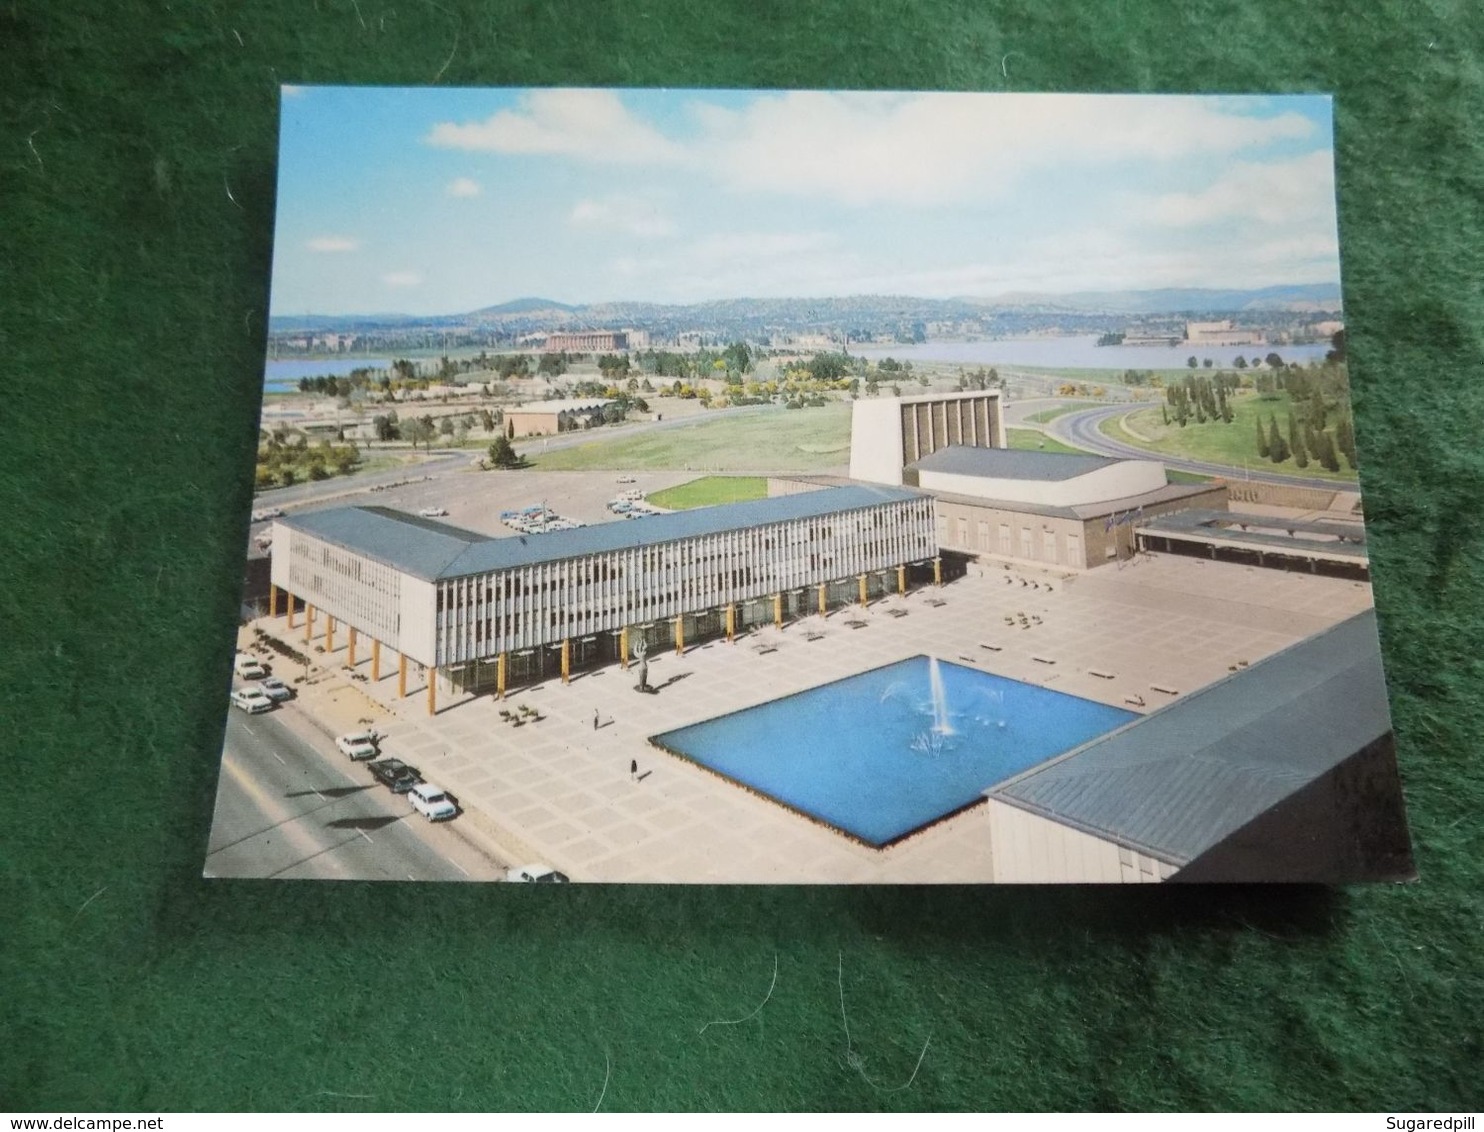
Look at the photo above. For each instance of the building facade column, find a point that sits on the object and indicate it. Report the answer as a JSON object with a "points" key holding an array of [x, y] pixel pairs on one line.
{"points": [[778, 610], [731, 622], [623, 648], [272, 600], [350, 648], [401, 676], [329, 633], [823, 598], [862, 580], [289, 595], [432, 690], [500, 677], [937, 571], [375, 659], [680, 634], [308, 622], [902, 580], [566, 659]]}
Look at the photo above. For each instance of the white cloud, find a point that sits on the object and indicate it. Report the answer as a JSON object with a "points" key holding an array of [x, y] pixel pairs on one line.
{"points": [[924, 149], [589, 124], [463, 187], [622, 214], [402, 279], [1300, 191], [333, 244]]}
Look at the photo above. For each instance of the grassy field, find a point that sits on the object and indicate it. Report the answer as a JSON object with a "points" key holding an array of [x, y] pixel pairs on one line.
{"points": [[777, 440], [1029, 439], [710, 490], [1069, 407], [1232, 444]]}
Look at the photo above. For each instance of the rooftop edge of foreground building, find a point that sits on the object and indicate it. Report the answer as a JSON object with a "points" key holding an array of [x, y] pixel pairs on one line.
{"points": [[1284, 771]]}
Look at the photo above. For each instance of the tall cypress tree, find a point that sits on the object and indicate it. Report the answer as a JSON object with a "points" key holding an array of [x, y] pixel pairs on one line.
{"points": [[1277, 446], [1262, 440], [1296, 442], [1345, 440]]}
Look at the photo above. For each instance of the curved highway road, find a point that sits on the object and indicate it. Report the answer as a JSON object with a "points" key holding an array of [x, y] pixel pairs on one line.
{"points": [[1082, 429]]}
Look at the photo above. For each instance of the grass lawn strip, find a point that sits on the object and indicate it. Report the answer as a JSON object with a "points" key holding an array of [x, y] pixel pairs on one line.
{"points": [[1234, 444], [709, 491], [783, 440]]}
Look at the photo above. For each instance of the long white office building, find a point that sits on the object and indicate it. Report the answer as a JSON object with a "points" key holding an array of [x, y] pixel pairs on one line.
{"points": [[464, 603]]}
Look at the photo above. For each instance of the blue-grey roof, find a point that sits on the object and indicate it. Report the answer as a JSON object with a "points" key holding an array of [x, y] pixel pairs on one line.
{"points": [[1182, 779], [432, 550], [1010, 463]]}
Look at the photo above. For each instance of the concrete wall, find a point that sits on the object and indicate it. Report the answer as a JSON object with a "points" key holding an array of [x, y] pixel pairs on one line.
{"points": [[982, 529], [876, 441], [1123, 480], [887, 433], [1026, 848]]}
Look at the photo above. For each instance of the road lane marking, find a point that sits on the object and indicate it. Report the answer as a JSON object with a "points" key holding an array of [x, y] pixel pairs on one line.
{"points": [[460, 867], [366, 835], [279, 757]]}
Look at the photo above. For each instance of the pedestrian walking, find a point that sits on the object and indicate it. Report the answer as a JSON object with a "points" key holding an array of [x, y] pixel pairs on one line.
{"points": [[633, 768], [595, 721]]}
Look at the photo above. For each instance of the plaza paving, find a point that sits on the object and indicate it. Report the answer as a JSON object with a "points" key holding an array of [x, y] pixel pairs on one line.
{"points": [[560, 792]]}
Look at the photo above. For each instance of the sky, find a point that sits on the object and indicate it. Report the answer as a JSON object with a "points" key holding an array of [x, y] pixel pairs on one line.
{"points": [[439, 201]]}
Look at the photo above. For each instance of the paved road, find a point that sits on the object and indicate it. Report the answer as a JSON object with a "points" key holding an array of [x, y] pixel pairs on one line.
{"points": [[288, 807], [1081, 430]]}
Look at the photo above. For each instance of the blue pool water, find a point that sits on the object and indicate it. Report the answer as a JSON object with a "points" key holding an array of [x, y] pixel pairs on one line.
{"points": [[878, 756]]}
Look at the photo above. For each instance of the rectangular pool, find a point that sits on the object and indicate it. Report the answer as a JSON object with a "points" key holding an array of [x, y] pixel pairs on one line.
{"points": [[884, 753]]}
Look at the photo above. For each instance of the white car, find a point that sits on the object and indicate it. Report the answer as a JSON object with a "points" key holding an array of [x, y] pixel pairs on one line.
{"points": [[275, 689], [358, 746], [536, 874], [433, 512], [248, 667], [432, 802], [251, 700], [267, 513]]}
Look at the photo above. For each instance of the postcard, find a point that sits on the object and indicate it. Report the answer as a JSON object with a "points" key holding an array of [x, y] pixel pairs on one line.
{"points": [[688, 486]]}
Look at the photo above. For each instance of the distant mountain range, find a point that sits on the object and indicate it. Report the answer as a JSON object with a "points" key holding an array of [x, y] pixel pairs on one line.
{"points": [[536, 314]]}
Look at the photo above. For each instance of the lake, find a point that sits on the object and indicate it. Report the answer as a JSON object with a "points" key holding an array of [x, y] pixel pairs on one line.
{"points": [[1079, 352], [282, 375]]}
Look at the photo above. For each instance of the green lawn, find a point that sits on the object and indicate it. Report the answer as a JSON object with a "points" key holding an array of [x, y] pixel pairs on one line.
{"points": [[1069, 407], [1232, 444], [1030, 440], [710, 490], [775, 440]]}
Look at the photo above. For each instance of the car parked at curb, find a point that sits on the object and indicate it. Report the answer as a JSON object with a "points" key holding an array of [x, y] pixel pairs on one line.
{"points": [[432, 802], [251, 700], [536, 874], [395, 775], [275, 689], [249, 667], [358, 746], [433, 512]]}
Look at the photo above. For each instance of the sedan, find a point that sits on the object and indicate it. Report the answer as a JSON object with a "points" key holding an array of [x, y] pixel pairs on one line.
{"points": [[433, 512], [358, 747], [275, 689], [432, 802], [251, 700], [395, 775]]}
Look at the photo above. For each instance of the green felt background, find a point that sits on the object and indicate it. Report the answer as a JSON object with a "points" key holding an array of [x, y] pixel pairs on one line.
{"points": [[137, 159]]}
